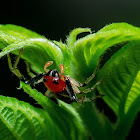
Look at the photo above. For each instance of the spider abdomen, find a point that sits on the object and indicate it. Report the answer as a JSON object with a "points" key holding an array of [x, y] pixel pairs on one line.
{"points": [[54, 84]]}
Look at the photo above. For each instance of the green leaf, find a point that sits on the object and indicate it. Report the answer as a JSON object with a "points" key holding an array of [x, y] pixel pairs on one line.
{"points": [[88, 49], [68, 54], [125, 123], [96, 123], [44, 49], [120, 76], [68, 123], [21, 121], [12, 33], [18, 31], [72, 36], [121, 84], [13, 38]]}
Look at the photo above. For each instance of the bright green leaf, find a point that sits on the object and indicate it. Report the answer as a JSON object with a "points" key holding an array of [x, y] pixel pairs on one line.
{"points": [[21, 121], [68, 123], [119, 75], [18, 31], [97, 124], [121, 85], [72, 36], [44, 49], [88, 49]]}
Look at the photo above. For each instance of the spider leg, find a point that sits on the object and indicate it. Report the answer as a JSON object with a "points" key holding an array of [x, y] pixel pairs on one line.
{"points": [[47, 65], [62, 68], [88, 80], [93, 75], [13, 68], [36, 79], [39, 78], [84, 99], [70, 90], [78, 84], [28, 70], [92, 88], [48, 94], [75, 88], [81, 100]]}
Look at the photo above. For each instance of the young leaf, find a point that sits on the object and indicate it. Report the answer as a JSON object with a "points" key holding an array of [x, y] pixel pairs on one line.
{"points": [[68, 123], [72, 36], [12, 33], [119, 74], [13, 38], [96, 123], [18, 31], [88, 49], [21, 121], [44, 49], [121, 85]]}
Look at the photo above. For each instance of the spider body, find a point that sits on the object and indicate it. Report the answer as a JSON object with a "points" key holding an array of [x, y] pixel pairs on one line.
{"points": [[54, 83], [59, 85]]}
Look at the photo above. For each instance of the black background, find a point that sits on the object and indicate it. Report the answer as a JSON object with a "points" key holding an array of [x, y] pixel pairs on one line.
{"points": [[54, 19]]}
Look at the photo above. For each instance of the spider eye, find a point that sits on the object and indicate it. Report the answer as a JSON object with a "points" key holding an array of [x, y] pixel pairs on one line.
{"points": [[53, 73]]}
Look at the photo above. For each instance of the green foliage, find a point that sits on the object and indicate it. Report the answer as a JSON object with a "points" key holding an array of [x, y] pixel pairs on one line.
{"points": [[120, 85]]}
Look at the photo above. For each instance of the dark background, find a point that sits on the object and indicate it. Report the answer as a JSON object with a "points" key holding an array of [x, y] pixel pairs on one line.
{"points": [[55, 18]]}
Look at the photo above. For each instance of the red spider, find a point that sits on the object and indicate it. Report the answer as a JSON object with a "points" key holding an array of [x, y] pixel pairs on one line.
{"points": [[62, 86]]}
